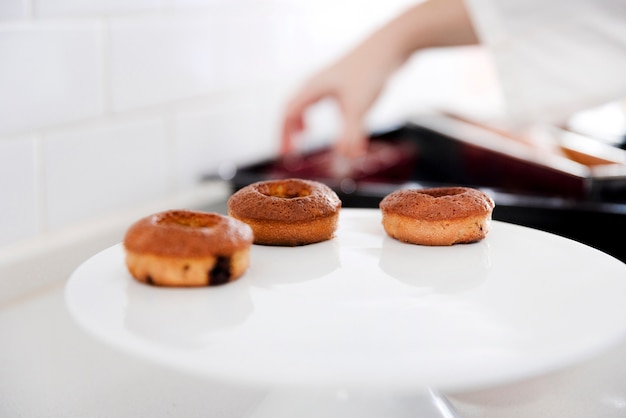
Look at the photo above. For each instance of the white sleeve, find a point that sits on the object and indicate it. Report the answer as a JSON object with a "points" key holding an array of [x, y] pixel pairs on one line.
{"points": [[554, 57]]}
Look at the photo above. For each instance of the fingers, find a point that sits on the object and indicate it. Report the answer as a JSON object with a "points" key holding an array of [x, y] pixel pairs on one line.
{"points": [[293, 125], [294, 119], [350, 147], [352, 140]]}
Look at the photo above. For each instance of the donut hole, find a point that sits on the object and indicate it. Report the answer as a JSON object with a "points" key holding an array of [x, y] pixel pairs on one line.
{"points": [[442, 192], [188, 220], [286, 190]]}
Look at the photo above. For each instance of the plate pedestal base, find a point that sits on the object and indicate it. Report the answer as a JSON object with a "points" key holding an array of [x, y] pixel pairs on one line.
{"points": [[309, 403]]}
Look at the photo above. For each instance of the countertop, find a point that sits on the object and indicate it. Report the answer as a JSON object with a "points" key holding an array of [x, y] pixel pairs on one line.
{"points": [[49, 367]]}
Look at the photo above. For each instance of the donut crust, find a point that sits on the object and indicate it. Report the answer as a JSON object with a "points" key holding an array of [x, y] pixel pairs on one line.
{"points": [[183, 248], [287, 212], [437, 216]]}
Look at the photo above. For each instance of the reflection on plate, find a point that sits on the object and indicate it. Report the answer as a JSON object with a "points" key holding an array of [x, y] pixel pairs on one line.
{"points": [[442, 272], [279, 266], [364, 310], [163, 315]]}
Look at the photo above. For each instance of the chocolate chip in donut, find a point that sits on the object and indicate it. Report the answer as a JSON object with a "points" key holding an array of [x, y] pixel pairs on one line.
{"points": [[187, 248], [220, 273]]}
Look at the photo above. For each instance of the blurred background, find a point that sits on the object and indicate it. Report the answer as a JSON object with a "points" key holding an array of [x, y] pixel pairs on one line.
{"points": [[109, 104]]}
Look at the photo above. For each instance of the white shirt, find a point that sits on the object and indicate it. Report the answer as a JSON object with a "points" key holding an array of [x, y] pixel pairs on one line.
{"points": [[554, 57]]}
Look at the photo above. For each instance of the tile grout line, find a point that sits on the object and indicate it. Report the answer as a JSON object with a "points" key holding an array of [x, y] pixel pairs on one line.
{"points": [[41, 197]]}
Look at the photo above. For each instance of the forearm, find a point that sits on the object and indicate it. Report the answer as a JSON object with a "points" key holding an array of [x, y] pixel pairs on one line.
{"points": [[432, 23]]}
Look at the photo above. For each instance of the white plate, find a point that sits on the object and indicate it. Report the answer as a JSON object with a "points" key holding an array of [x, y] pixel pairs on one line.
{"points": [[366, 311]]}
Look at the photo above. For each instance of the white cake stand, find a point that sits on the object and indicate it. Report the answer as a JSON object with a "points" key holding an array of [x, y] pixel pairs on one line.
{"points": [[364, 325]]}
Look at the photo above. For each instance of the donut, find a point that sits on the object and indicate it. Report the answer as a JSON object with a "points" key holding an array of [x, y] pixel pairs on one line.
{"points": [[184, 248], [437, 216], [287, 212]]}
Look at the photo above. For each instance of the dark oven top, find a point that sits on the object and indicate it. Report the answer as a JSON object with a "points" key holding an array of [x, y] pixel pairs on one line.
{"points": [[536, 191]]}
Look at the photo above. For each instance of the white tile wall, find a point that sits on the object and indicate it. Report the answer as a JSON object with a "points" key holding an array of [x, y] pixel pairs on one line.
{"points": [[18, 205], [12, 9], [90, 172], [235, 132], [50, 74], [251, 33], [93, 7], [158, 59]]}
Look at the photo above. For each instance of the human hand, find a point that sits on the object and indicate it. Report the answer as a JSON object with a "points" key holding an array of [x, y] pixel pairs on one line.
{"points": [[357, 79], [354, 83]]}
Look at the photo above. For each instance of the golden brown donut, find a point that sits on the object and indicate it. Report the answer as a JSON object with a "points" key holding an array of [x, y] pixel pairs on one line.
{"points": [[437, 216], [187, 248], [287, 212]]}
